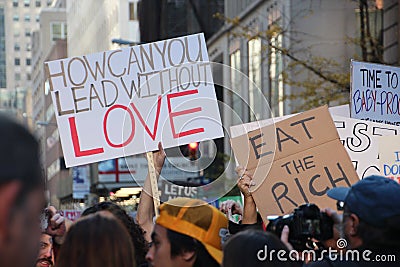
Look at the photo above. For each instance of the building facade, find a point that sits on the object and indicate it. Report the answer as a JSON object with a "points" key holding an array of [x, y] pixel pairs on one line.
{"points": [[93, 24], [261, 39], [21, 19]]}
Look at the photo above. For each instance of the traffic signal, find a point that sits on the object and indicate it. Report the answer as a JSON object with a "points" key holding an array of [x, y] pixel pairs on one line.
{"points": [[193, 150]]}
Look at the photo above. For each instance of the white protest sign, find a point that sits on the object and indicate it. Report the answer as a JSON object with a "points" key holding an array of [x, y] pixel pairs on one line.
{"points": [[361, 140], [389, 152], [123, 102], [375, 92]]}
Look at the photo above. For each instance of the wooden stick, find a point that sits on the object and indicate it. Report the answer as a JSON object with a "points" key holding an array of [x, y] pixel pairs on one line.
{"points": [[153, 182]]}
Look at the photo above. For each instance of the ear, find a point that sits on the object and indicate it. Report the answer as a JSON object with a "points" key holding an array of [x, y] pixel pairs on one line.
{"points": [[188, 256], [8, 194], [354, 222]]}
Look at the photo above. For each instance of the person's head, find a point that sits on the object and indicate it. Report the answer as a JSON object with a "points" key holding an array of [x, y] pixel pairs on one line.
{"points": [[21, 194], [46, 255], [136, 232], [256, 245], [371, 216], [97, 240], [188, 232]]}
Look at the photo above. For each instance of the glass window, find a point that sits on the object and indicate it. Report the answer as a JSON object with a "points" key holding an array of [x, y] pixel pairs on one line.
{"points": [[58, 31], [255, 93], [17, 47], [28, 76], [16, 17], [17, 76], [49, 2], [27, 3], [28, 61], [27, 18], [28, 47], [17, 61], [275, 76], [16, 33], [15, 3], [133, 11], [37, 18], [37, 3], [27, 32], [237, 104]]}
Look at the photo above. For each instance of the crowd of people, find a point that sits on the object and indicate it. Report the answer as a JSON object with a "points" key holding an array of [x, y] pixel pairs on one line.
{"points": [[187, 232]]}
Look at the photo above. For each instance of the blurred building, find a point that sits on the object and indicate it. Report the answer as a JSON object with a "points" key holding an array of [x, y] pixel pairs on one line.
{"points": [[49, 43], [93, 24], [19, 18]]}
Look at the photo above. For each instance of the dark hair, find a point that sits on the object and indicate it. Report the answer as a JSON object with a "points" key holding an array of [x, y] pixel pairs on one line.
{"points": [[181, 243], [19, 157], [135, 231], [97, 241], [249, 243], [387, 236]]}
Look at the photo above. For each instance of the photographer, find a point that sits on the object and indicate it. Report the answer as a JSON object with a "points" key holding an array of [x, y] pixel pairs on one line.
{"points": [[371, 221]]}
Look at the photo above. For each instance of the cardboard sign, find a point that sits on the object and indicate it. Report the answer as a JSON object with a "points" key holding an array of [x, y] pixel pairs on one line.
{"points": [[123, 102], [389, 151], [308, 160], [375, 92], [236, 130], [361, 140], [359, 137]]}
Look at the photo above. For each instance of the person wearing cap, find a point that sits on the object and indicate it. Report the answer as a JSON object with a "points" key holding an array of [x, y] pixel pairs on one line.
{"points": [[21, 195], [188, 232], [371, 221]]}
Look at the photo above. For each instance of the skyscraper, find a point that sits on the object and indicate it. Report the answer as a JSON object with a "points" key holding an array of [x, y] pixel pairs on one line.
{"points": [[18, 19]]}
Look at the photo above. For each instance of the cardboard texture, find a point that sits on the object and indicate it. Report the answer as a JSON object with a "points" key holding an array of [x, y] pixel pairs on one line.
{"points": [[308, 160]]}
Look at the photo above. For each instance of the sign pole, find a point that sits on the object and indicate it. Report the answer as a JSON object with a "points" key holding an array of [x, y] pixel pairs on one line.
{"points": [[153, 182]]}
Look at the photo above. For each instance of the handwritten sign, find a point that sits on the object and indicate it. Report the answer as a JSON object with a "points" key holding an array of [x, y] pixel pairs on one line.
{"points": [[361, 140], [375, 92], [308, 160], [123, 102], [389, 151]]}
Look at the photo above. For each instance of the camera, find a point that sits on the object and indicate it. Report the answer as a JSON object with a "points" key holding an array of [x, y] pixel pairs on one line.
{"points": [[307, 222]]}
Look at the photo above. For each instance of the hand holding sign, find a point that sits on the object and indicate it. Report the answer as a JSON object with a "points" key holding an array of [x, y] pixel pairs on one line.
{"points": [[309, 160]]}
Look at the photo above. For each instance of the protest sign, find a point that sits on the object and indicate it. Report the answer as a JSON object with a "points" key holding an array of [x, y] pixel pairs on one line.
{"points": [[375, 92], [359, 137], [80, 182], [361, 140], [308, 160], [236, 130], [71, 215], [123, 102], [389, 152], [171, 190]]}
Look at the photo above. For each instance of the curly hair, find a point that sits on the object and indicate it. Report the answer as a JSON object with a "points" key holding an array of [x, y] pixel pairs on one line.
{"points": [[135, 231]]}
